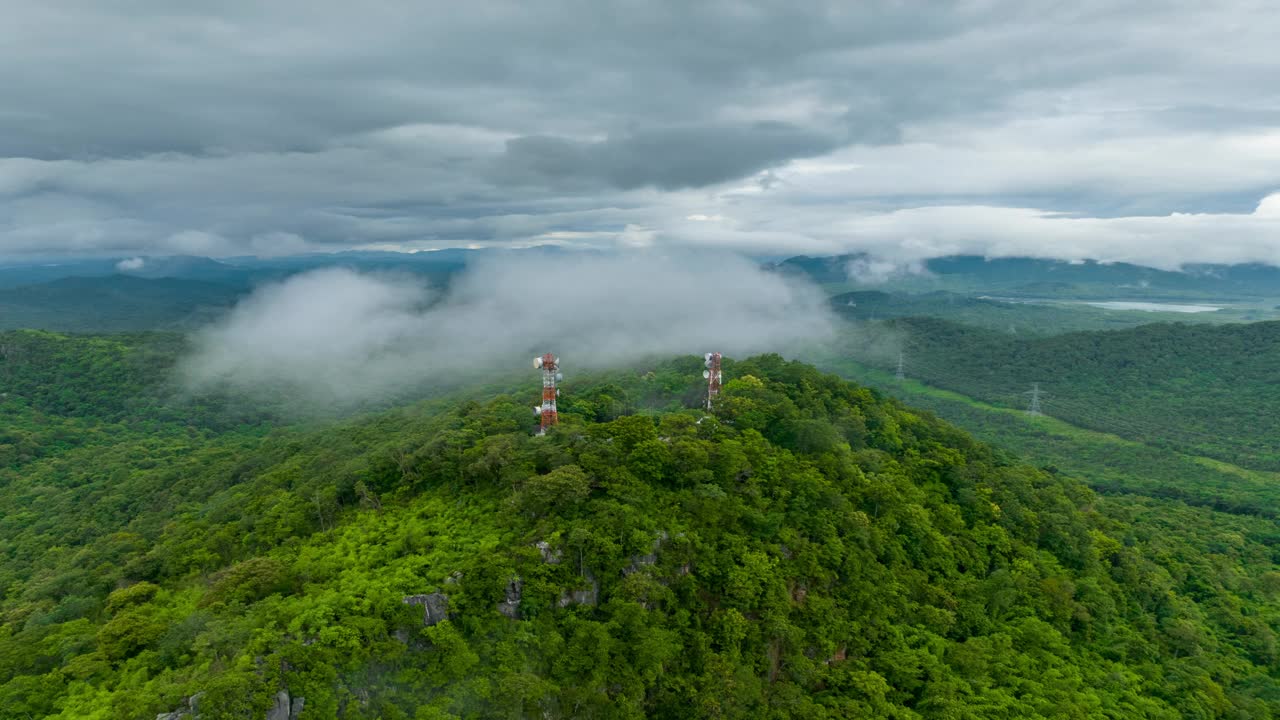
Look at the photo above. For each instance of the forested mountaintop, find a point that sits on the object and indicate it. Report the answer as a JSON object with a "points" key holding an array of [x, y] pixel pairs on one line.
{"points": [[808, 550]]}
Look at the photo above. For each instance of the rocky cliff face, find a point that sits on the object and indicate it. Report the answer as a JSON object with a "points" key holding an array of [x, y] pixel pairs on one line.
{"points": [[285, 707], [510, 606], [435, 606]]}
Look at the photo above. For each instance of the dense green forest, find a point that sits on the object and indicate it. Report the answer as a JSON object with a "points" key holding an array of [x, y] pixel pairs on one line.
{"points": [[1039, 278], [118, 303], [1207, 390], [1022, 318], [811, 549], [1107, 462]]}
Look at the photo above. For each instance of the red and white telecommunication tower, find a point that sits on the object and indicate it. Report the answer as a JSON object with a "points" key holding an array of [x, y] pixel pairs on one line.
{"points": [[550, 365], [712, 374]]}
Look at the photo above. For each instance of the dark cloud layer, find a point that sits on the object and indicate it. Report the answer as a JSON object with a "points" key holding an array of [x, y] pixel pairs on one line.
{"points": [[670, 159], [151, 127]]}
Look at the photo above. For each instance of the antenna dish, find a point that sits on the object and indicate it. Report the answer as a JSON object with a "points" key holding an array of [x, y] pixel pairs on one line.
{"points": [[707, 356], [706, 373], [537, 362], [559, 376], [537, 410]]}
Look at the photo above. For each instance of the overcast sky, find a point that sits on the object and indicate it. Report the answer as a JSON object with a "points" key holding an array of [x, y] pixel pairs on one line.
{"points": [[1141, 131]]}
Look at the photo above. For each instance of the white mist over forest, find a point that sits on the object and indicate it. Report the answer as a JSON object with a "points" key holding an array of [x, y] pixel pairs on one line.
{"points": [[340, 336]]}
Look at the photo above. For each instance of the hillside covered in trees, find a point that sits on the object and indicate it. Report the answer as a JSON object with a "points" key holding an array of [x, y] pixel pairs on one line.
{"points": [[811, 549], [1039, 277], [1209, 390], [1024, 317]]}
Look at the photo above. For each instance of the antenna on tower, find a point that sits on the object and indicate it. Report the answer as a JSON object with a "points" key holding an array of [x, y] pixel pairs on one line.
{"points": [[900, 375], [713, 377], [1033, 408], [550, 366]]}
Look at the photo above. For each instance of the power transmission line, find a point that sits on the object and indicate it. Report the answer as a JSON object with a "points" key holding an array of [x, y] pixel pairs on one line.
{"points": [[944, 378], [1083, 414], [1079, 413]]}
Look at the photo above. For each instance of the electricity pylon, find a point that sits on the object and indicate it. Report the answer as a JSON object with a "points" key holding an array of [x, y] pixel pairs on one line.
{"points": [[1033, 408]]}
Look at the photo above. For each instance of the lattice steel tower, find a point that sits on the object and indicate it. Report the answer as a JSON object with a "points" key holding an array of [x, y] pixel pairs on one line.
{"points": [[550, 365], [1033, 407], [713, 377]]}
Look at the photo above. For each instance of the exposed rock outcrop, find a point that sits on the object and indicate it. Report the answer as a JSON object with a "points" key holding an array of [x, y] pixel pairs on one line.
{"points": [[651, 558], [799, 593], [286, 707], [435, 606], [640, 561], [586, 596], [189, 710], [550, 556], [280, 710], [511, 605]]}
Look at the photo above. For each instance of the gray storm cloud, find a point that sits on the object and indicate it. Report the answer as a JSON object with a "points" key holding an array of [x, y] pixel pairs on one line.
{"points": [[341, 337], [670, 159], [899, 128]]}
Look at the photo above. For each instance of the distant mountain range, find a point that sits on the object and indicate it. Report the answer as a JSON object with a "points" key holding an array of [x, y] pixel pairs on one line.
{"points": [[180, 292], [1026, 276], [248, 271], [145, 293], [1031, 277]]}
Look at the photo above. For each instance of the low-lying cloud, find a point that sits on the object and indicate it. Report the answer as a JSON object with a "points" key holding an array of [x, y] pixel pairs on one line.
{"points": [[875, 271], [341, 337]]}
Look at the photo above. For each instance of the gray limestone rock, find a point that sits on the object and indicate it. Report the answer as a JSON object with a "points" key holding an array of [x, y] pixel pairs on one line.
{"points": [[435, 607], [650, 558], [640, 561], [511, 605], [280, 710], [549, 555], [582, 596], [190, 709]]}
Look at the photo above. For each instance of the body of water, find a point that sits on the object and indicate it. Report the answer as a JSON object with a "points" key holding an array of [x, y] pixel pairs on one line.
{"points": [[1111, 304], [1152, 306]]}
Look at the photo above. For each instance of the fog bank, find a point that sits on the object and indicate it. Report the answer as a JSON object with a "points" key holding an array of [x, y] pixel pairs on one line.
{"points": [[343, 337]]}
